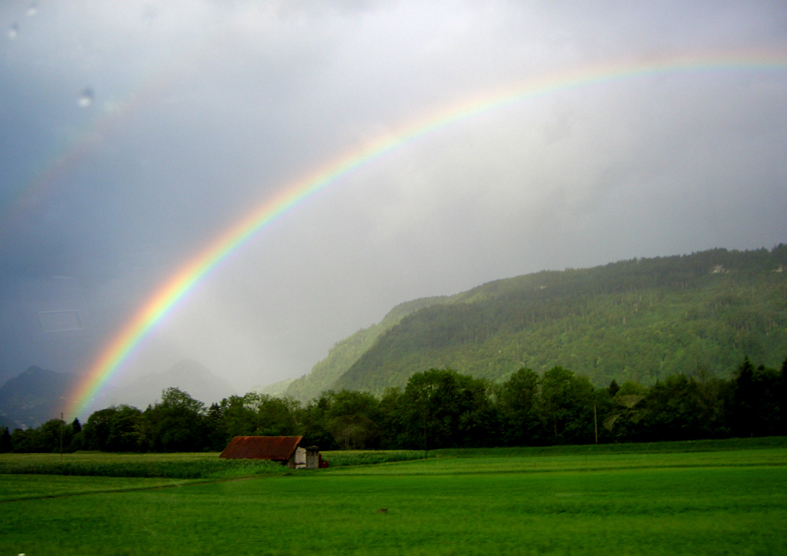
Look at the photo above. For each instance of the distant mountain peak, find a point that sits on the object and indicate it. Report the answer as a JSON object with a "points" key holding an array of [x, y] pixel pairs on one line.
{"points": [[35, 395], [187, 375]]}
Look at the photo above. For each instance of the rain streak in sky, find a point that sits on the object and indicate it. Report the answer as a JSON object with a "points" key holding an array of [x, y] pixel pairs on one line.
{"points": [[136, 133]]}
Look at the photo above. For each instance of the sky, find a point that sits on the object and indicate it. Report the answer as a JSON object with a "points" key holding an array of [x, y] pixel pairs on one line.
{"points": [[133, 133]]}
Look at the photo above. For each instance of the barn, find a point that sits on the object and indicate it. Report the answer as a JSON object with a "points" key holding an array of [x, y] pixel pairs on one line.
{"points": [[284, 449]]}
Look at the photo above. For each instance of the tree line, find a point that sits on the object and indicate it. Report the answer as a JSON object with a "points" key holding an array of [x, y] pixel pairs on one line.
{"points": [[441, 408]]}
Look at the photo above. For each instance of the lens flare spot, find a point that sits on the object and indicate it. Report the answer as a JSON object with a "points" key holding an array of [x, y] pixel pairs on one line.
{"points": [[86, 98]]}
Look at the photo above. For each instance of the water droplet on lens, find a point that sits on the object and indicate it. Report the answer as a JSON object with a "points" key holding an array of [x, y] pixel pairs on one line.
{"points": [[32, 10], [86, 98], [13, 31]]}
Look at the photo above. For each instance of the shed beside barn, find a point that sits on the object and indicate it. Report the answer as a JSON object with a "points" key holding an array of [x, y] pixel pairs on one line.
{"points": [[284, 449]]}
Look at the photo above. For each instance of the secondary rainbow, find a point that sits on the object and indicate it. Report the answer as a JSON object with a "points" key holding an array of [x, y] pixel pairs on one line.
{"points": [[105, 118], [110, 359]]}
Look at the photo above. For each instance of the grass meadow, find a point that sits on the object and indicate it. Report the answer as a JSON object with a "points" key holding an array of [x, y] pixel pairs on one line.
{"points": [[721, 498]]}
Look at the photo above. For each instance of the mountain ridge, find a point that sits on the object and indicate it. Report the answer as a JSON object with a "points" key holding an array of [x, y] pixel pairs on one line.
{"points": [[639, 319], [187, 375], [35, 396], [345, 352]]}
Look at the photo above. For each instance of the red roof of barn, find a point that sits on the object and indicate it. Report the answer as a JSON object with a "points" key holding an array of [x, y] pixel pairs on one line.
{"points": [[276, 448]]}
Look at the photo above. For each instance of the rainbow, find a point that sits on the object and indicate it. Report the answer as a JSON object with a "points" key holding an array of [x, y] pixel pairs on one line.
{"points": [[110, 359]]}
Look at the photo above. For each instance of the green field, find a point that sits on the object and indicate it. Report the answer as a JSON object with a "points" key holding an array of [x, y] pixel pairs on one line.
{"points": [[726, 499]]}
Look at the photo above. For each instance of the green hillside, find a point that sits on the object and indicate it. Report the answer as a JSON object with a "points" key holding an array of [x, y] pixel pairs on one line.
{"points": [[346, 352], [632, 320]]}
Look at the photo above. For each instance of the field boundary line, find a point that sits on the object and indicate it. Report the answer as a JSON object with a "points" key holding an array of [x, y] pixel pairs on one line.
{"points": [[189, 482]]}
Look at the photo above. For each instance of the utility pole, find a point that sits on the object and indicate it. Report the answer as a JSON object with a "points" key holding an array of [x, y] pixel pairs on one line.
{"points": [[61, 435], [595, 421], [425, 452]]}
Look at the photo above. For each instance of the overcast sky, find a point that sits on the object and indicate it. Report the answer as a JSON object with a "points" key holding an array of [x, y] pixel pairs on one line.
{"points": [[133, 133]]}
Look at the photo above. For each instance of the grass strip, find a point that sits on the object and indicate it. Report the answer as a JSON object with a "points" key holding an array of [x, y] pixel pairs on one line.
{"points": [[175, 466], [347, 458], [720, 445], [209, 466]]}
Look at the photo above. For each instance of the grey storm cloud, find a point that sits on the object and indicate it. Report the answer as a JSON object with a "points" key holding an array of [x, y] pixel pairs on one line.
{"points": [[135, 133]]}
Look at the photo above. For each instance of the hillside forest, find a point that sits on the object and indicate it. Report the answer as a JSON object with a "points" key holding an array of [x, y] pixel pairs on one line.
{"points": [[442, 408], [640, 320]]}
